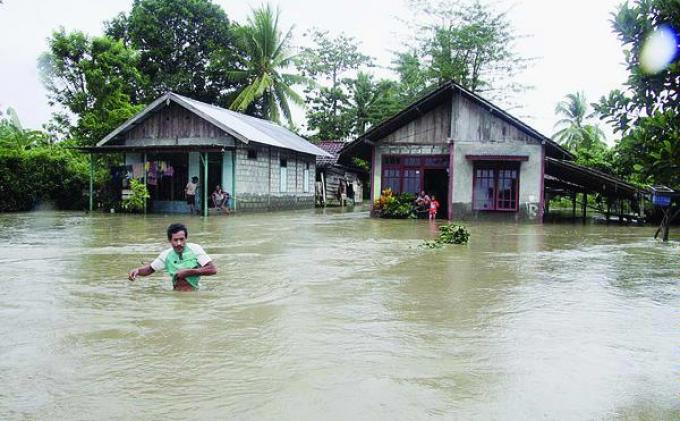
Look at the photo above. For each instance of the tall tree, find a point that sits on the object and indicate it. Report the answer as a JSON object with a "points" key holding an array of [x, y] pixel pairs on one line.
{"points": [[93, 79], [329, 62], [578, 134], [177, 40], [647, 112], [372, 102], [573, 131], [263, 82], [469, 43], [413, 76]]}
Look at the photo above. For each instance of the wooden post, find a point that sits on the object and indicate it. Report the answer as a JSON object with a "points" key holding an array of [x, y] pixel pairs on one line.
{"points": [[323, 190], [91, 182], [205, 184], [584, 206], [573, 205], [609, 209]]}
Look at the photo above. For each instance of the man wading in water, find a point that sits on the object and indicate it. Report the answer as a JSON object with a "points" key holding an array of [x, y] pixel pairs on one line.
{"points": [[185, 262]]}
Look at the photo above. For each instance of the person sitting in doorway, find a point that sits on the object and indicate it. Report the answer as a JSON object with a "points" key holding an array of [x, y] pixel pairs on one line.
{"points": [[423, 200], [219, 198], [422, 203]]}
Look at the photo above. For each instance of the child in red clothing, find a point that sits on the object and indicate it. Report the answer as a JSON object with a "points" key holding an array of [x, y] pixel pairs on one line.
{"points": [[434, 206]]}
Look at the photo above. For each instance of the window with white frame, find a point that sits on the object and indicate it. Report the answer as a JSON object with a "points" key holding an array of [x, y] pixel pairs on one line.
{"points": [[283, 179], [305, 182]]}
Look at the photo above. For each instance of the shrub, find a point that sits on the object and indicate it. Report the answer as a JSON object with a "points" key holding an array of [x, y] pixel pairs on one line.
{"points": [[135, 203], [42, 174], [391, 205]]}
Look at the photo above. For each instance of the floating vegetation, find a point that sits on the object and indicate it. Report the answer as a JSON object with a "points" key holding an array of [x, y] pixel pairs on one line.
{"points": [[450, 234]]}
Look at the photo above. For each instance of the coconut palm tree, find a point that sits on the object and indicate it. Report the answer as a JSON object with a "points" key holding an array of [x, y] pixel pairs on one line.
{"points": [[573, 133], [265, 84]]}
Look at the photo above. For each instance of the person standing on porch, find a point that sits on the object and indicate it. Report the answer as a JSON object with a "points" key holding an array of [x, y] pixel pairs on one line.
{"points": [[434, 207], [190, 191]]}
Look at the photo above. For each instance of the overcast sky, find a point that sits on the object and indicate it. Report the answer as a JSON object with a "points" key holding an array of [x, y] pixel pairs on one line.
{"points": [[572, 41]]}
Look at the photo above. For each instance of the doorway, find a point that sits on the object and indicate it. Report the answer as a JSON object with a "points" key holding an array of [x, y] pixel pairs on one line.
{"points": [[436, 182], [214, 174]]}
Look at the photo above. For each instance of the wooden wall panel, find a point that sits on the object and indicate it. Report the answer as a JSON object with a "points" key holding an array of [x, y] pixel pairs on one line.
{"points": [[431, 128], [174, 122], [474, 123]]}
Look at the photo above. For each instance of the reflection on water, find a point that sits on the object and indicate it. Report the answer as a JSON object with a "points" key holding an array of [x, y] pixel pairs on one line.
{"points": [[333, 315]]}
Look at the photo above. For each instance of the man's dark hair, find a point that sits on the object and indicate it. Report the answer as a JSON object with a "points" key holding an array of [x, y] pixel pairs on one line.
{"points": [[175, 228]]}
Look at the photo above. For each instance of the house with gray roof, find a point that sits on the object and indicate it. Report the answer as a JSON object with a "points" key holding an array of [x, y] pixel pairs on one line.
{"points": [[477, 159], [262, 165], [336, 183]]}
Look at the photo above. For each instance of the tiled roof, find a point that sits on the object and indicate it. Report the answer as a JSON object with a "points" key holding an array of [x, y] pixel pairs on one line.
{"points": [[333, 147]]}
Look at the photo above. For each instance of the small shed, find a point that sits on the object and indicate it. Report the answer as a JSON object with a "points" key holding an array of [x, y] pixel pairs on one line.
{"points": [[337, 184], [262, 165]]}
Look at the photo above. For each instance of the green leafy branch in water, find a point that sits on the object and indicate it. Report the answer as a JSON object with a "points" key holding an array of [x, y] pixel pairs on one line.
{"points": [[135, 203], [450, 234]]}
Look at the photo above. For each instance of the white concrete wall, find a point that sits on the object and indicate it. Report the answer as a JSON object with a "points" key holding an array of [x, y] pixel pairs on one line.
{"points": [[529, 175], [258, 180]]}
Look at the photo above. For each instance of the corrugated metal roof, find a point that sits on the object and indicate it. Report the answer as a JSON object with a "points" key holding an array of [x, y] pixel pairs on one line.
{"points": [[244, 128]]}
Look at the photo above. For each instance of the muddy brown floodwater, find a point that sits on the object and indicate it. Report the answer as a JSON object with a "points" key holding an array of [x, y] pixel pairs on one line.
{"points": [[336, 316]]}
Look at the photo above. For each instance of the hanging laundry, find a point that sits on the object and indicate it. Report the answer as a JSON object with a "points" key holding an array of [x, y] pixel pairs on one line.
{"points": [[169, 171], [138, 170]]}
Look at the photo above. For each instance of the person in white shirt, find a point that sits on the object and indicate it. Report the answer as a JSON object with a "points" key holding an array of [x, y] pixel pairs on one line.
{"points": [[184, 262], [190, 191]]}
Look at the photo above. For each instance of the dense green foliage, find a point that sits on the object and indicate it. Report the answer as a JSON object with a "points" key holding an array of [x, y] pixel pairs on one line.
{"points": [[581, 136], [94, 79], [450, 234], [391, 205], [177, 41], [647, 112], [330, 112]]}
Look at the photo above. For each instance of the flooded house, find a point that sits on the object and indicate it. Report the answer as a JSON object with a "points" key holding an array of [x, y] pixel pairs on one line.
{"points": [[262, 165], [480, 161], [338, 183]]}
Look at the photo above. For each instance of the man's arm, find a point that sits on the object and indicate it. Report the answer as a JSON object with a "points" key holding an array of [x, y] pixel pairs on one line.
{"points": [[141, 271], [206, 270]]}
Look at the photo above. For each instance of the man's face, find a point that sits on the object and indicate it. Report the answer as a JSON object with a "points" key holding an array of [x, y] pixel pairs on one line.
{"points": [[178, 240]]}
